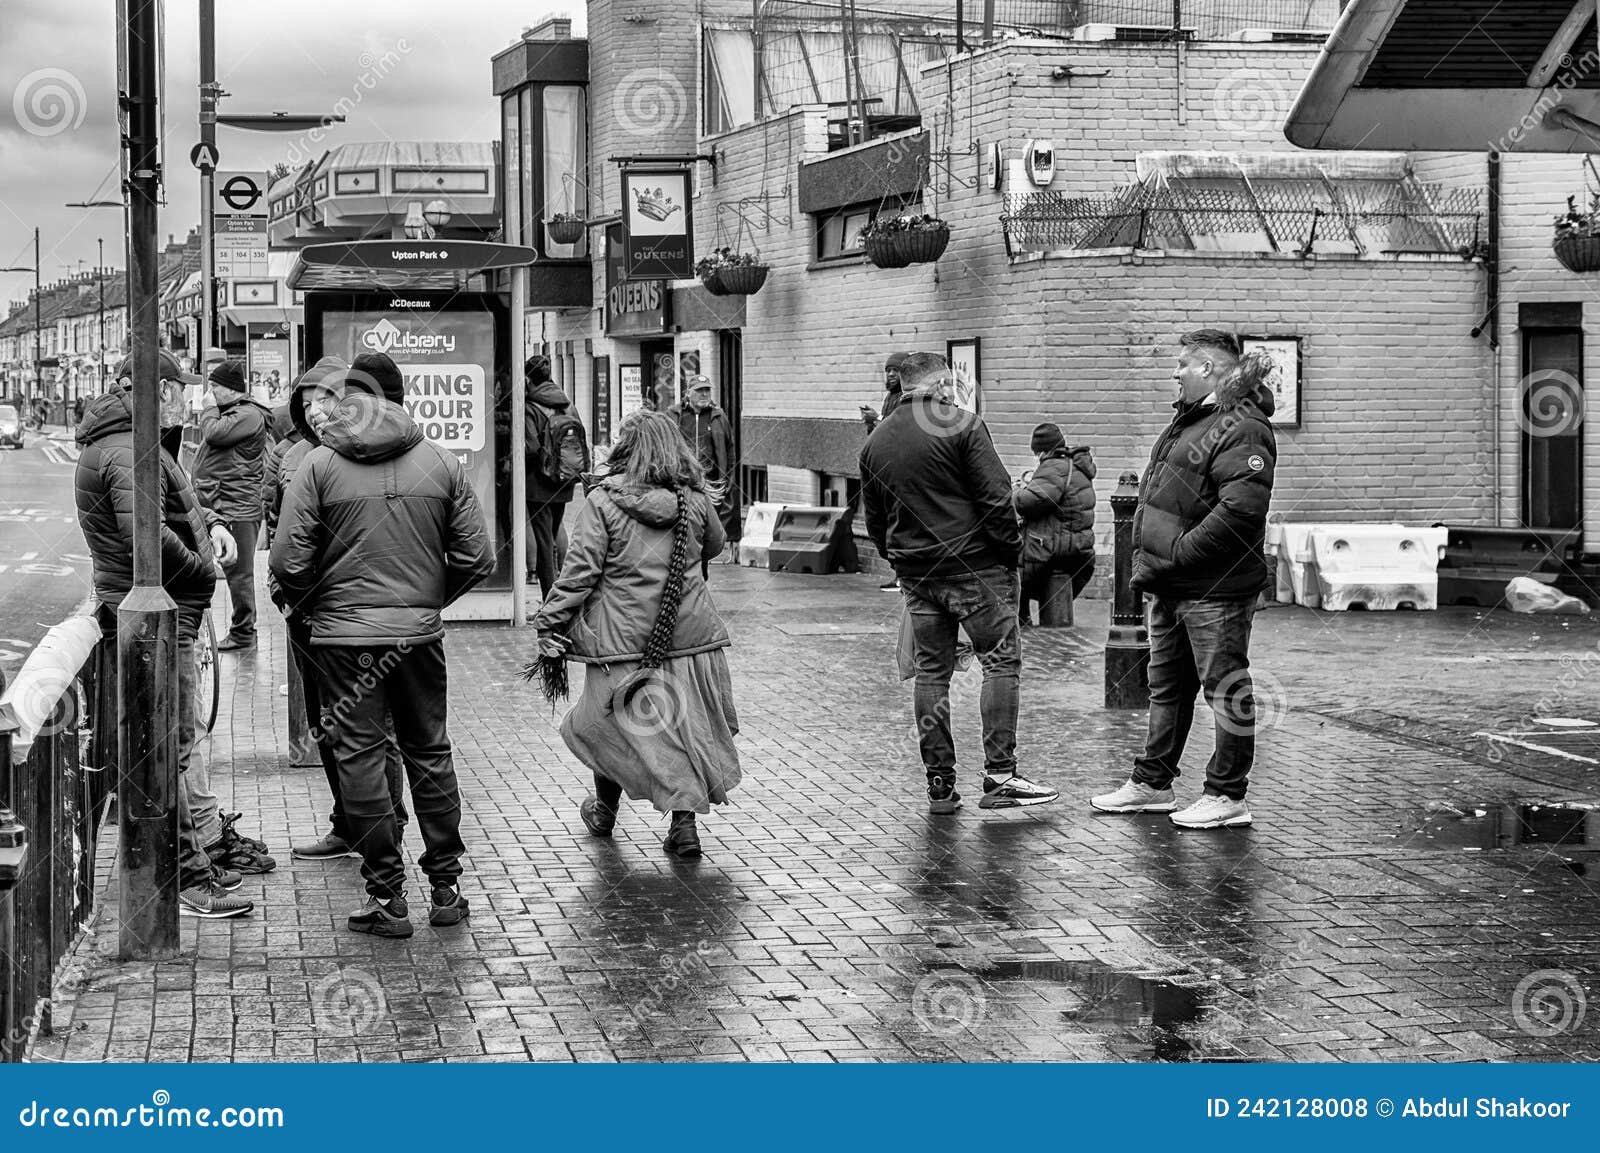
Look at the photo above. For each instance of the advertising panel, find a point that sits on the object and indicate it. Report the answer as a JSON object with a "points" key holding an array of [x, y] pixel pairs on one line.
{"points": [[446, 349]]}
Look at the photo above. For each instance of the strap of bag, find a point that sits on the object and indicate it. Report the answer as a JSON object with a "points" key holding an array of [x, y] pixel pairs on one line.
{"points": [[661, 633]]}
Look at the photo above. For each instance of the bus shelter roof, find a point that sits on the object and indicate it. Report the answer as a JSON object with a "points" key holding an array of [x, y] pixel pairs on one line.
{"points": [[397, 265]]}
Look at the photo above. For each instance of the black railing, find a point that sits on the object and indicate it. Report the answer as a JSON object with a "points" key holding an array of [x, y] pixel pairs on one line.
{"points": [[52, 803]]}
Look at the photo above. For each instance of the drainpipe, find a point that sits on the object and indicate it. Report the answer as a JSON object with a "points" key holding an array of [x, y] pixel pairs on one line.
{"points": [[1493, 269]]}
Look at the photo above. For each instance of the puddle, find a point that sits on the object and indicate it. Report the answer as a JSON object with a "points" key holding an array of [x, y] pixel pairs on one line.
{"points": [[1160, 1017], [1500, 826]]}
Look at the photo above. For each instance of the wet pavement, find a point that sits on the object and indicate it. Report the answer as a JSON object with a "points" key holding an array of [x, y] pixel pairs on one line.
{"points": [[1409, 891]]}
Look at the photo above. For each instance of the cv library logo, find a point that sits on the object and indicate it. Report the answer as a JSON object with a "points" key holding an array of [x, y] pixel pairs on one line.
{"points": [[386, 336]]}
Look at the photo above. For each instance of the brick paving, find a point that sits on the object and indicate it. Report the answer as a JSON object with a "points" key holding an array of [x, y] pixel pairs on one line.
{"points": [[832, 919]]}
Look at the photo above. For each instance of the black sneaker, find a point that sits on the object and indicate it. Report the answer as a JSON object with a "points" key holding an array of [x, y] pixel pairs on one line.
{"points": [[239, 853], [382, 918], [226, 879], [449, 906], [229, 830], [942, 796], [211, 902], [1013, 792]]}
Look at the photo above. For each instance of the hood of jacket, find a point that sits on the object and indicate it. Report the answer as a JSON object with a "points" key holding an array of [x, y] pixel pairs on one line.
{"points": [[105, 416], [1083, 460], [656, 507], [370, 430], [297, 412], [1232, 394], [549, 394]]}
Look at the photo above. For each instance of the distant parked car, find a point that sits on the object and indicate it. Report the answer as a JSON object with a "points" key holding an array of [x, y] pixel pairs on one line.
{"points": [[10, 427]]}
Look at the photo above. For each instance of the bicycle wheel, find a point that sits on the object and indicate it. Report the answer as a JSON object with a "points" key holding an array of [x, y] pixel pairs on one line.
{"points": [[207, 676]]}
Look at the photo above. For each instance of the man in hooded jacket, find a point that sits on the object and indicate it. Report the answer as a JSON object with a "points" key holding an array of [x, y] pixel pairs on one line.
{"points": [[1056, 507], [1198, 536], [379, 530], [191, 541], [282, 465], [228, 472], [547, 503]]}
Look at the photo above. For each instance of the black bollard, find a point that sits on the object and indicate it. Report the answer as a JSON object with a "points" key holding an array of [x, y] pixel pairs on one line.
{"points": [[1127, 642]]}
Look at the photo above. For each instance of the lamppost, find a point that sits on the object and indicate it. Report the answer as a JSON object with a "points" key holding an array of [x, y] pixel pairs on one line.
{"points": [[38, 299]]}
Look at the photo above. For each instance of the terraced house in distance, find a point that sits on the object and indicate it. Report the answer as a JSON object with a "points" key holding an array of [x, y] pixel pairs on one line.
{"points": [[1104, 177]]}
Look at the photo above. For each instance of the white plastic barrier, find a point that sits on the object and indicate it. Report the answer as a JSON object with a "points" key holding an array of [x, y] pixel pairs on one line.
{"points": [[759, 524], [1297, 567], [45, 677], [1376, 567]]}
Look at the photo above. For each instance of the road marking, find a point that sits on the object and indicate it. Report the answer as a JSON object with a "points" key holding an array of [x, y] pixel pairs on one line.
{"points": [[54, 570], [1506, 739], [29, 556]]}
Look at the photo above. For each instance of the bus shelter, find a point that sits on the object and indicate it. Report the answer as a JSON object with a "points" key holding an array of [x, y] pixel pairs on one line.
{"points": [[432, 306]]}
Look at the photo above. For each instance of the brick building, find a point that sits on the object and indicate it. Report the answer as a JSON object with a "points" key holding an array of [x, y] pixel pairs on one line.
{"points": [[1173, 201]]}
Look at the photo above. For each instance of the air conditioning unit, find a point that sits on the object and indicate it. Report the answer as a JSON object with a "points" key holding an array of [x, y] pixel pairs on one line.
{"points": [[1281, 35], [1136, 33]]}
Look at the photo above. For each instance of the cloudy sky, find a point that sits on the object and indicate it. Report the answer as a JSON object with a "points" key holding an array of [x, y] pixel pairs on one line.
{"points": [[419, 69]]}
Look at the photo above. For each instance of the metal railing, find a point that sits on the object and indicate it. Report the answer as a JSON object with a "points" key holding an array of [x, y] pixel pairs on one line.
{"points": [[1404, 218], [57, 764]]}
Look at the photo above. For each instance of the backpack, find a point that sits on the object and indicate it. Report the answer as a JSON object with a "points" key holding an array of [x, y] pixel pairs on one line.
{"points": [[563, 449]]}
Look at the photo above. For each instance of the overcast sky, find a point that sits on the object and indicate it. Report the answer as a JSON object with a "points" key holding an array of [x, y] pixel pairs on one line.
{"points": [[425, 64]]}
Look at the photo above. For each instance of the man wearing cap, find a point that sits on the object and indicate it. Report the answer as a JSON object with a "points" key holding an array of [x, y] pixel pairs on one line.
{"points": [[709, 434], [228, 472], [379, 530]]}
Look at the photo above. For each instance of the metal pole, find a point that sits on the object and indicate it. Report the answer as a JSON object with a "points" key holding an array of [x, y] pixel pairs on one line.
{"points": [[1127, 643], [988, 22], [519, 456], [147, 653], [38, 322], [100, 295], [208, 135]]}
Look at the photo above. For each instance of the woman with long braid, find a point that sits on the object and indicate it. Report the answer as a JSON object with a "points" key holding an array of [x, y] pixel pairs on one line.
{"points": [[656, 718]]}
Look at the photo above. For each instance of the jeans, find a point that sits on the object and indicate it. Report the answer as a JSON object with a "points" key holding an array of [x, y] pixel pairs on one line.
{"points": [[1195, 645], [983, 603], [547, 542], [409, 682], [199, 823], [311, 691], [242, 579]]}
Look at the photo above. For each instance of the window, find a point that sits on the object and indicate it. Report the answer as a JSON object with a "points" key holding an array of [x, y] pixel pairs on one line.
{"points": [[441, 180], [565, 132], [837, 230], [511, 164], [1551, 419], [356, 183]]}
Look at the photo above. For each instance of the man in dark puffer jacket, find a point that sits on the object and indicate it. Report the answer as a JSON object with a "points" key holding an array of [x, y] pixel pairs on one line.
{"points": [[1056, 505], [228, 471], [1198, 535], [103, 491], [380, 529]]}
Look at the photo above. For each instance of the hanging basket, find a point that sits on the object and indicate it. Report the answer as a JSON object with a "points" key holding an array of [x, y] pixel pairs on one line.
{"points": [[922, 245], [566, 231], [744, 280], [713, 282], [1578, 253], [885, 252]]}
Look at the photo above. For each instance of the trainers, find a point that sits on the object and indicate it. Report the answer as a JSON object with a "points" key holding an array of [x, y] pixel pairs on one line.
{"points": [[449, 906], [890, 585], [231, 644], [233, 852], [1213, 811], [328, 848], [210, 901], [598, 817], [229, 830], [226, 879], [1013, 792], [942, 796], [1135, 797], [382, 918]]}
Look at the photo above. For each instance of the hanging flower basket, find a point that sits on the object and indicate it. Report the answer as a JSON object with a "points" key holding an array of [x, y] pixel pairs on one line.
{"points": [[566, 228], [729, 273], [1577, 242], [897, 241]]}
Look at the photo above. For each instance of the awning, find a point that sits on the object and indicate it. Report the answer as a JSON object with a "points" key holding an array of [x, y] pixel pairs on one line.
{"points": [[264, 314], [391, 265], [1456, 75]]}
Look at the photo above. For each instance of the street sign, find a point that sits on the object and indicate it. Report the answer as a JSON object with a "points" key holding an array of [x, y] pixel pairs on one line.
{"points": [[203, 156], [239, 225]]}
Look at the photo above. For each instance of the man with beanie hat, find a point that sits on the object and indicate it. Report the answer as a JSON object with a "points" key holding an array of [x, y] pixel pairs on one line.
{"points": [[938, 507], [1056, 507], [339, 840], [379, 530], [891, 384], [228, 472]]}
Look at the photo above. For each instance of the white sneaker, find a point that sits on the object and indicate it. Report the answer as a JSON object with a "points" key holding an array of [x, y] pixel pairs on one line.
{"points": [[1213, 812], [1135, 797]]}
